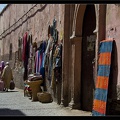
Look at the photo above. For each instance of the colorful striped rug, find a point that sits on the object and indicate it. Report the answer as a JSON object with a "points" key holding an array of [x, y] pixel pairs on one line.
{"points": [[104, 63]]}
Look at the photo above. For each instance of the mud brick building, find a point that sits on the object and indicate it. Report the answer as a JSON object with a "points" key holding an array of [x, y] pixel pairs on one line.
{"points": [[81, 27]]}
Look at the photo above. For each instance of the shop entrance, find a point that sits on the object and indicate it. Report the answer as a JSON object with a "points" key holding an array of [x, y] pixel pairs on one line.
{"points": [[88, 55]]}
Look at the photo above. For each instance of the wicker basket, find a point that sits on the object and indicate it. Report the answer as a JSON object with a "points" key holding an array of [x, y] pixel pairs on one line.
{"points": [[44, 97], [35, 86]]}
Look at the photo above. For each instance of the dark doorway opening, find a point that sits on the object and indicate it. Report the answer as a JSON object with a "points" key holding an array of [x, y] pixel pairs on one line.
{"points": [[88, 55]]}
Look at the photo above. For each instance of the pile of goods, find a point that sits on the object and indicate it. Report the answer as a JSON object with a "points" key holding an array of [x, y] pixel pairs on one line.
{"points": [[31, 77]]}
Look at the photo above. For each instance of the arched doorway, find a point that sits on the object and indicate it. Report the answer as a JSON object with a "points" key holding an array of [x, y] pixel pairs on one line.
{"points": [[88, 54]]}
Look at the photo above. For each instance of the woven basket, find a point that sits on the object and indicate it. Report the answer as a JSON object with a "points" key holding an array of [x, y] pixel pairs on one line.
{"points": [[35, 86], [44, 97]]}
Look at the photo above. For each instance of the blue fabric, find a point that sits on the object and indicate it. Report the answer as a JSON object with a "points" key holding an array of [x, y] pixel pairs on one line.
{"points": [[95, 113], [44, 46], [100, 94], [104, 70], [43, 57], [36, 67], [42, 52], [42, 72], [104, 48], [38, 61]]}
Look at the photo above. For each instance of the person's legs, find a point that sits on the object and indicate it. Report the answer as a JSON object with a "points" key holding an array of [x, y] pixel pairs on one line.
{"points": [[7, 87], [6, 90]]}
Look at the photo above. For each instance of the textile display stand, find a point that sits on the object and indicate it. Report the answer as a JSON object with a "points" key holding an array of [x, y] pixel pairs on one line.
{"points": [[102, 80]]}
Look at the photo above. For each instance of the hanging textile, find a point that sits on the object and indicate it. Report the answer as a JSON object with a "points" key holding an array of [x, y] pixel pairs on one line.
{"points": [[28, 46], [40, 56], [24, 46], [50, 63], [24, 55], [20, 49], [55, 54], [34, 49], [48, 57], [30, 55], [104, 63], [58, 64], [37, 56], [42, 68], [31, 47]]}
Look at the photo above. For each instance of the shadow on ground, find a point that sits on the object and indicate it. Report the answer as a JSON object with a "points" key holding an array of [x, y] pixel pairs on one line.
{"points": [[9, 112], [8, 91]]}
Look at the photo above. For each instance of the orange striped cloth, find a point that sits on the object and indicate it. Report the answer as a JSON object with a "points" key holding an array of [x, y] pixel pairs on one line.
{"points": [[104, 63]]}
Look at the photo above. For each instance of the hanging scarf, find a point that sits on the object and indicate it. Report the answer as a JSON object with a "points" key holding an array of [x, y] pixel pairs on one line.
{"points": [[104, 63]]}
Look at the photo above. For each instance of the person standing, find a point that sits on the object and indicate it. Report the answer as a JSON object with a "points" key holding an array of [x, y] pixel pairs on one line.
{"points": [[7, 76]]}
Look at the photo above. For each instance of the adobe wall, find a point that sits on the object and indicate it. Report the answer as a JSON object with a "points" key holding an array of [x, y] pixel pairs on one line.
{"points": [[36, 22], [113, 31]]}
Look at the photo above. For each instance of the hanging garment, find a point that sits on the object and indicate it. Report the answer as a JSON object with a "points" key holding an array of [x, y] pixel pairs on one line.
{"points": [[42, 67], [20, 48], [44, 57], [48, 57], [28, 46], [50, 65], [25, 55], [24, 46], [40, 60], [55, 35], [101, 91], [55, 53], [59, 57], [48, 46], [30, 66], [31, 47], [58, 64], [37, 61], [39, 57], [34, 45], [30, 56], [47, 51], [41, 50]]}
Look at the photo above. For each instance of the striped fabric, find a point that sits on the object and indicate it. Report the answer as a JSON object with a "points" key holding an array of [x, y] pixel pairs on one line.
{"points": [[104, 62]]}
